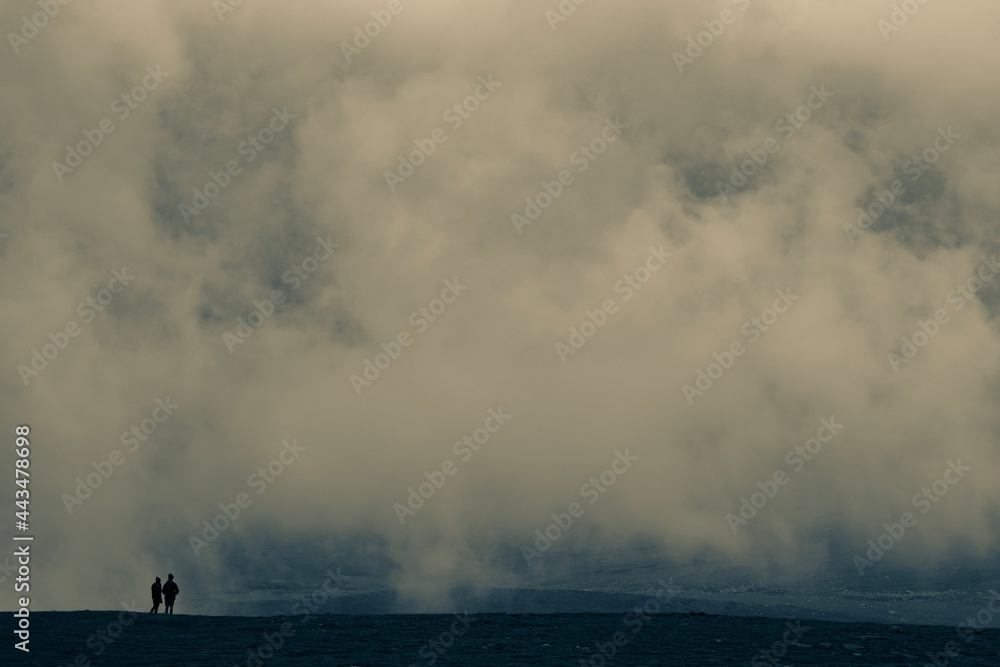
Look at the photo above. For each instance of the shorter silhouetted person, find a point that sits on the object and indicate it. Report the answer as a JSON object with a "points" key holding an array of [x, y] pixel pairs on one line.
{"points": [[170, 591], [156, 596]]}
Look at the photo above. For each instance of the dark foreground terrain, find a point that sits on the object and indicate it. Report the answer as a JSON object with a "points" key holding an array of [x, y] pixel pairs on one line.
{"points": [[92, 638]]}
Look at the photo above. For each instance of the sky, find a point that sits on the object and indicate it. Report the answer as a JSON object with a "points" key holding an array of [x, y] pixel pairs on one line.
{"points": [[496, 249]]}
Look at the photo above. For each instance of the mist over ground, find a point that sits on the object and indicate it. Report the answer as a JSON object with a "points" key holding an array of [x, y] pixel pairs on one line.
{"points": [[572, 276]]}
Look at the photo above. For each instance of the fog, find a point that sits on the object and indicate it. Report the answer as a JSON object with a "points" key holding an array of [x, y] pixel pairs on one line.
{"points": [[627, 164]]}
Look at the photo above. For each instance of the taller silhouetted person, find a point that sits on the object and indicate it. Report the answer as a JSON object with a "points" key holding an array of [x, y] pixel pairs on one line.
{"points": [[170, 591], [156, 596]]}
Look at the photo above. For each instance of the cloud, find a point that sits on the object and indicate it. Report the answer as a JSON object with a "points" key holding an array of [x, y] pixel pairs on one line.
{"points": [[323, 177]]}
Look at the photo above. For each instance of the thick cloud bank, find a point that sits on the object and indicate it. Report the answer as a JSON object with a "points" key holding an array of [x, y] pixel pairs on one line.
{"points": [[486, 252]]}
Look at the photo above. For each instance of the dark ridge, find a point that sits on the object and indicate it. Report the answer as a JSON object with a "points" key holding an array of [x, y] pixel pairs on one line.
{"points": [[72, 638]]}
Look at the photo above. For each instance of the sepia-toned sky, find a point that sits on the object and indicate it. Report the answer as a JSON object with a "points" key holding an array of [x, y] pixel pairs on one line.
{"points": [[558, 89]]}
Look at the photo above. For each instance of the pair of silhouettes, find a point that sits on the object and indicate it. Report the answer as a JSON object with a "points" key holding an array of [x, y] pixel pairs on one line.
{"points": [[169, 590]]}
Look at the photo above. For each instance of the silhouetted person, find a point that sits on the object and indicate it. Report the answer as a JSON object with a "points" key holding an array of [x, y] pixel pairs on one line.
{"points": [[170, 591], [156, 596]]}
